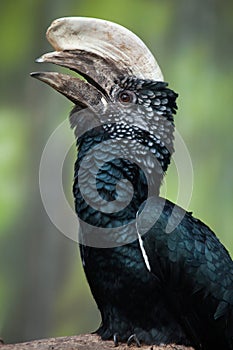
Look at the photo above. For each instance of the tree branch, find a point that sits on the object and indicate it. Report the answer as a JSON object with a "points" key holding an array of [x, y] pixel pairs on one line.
{"points": [[82, 342]]}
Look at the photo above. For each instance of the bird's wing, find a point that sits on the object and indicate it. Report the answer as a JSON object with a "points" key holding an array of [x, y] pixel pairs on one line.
{"points": [[194, 267]]}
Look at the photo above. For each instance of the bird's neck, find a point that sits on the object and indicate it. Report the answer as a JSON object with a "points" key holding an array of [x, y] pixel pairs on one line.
{"points": [[113, 177]]}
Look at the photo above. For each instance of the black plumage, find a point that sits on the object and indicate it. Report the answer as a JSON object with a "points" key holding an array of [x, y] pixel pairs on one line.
{"points": [[151, 284], [187, 296]]}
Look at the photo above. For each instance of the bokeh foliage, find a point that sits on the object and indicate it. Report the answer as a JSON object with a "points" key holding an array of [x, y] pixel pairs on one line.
{"points": [[43, 289]]}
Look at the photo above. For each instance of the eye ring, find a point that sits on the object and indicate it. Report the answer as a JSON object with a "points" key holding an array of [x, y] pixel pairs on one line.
{"points": [[126, 96]]}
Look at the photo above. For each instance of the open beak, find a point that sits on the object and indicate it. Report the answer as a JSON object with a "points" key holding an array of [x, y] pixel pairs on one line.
{"points": [[100, 51]]}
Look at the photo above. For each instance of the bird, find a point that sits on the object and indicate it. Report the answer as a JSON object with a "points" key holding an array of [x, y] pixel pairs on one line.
{"points": [[151, 285]]}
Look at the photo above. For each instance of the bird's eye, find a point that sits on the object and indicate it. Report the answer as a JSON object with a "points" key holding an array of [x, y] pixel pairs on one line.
{"points": [[126, 97]]}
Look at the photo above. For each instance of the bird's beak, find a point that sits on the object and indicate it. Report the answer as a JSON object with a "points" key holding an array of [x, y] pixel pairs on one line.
{"points": [[98, 50]]}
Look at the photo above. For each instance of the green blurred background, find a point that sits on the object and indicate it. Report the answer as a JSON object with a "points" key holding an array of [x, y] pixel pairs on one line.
{"points": [[43, 291]]}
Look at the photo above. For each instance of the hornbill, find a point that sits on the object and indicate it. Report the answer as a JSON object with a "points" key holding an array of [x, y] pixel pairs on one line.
{"points": [[150, 285]]}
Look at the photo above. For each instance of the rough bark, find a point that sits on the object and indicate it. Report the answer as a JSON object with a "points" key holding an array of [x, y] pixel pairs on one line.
{"points": [[81, 342]]}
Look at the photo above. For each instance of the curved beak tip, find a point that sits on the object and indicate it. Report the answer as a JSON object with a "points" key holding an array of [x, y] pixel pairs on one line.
{"points": [[39, 60], [34, 74]]}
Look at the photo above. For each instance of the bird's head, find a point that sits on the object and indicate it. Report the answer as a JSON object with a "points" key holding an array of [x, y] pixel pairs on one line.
{"points": [[117, 67]]}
